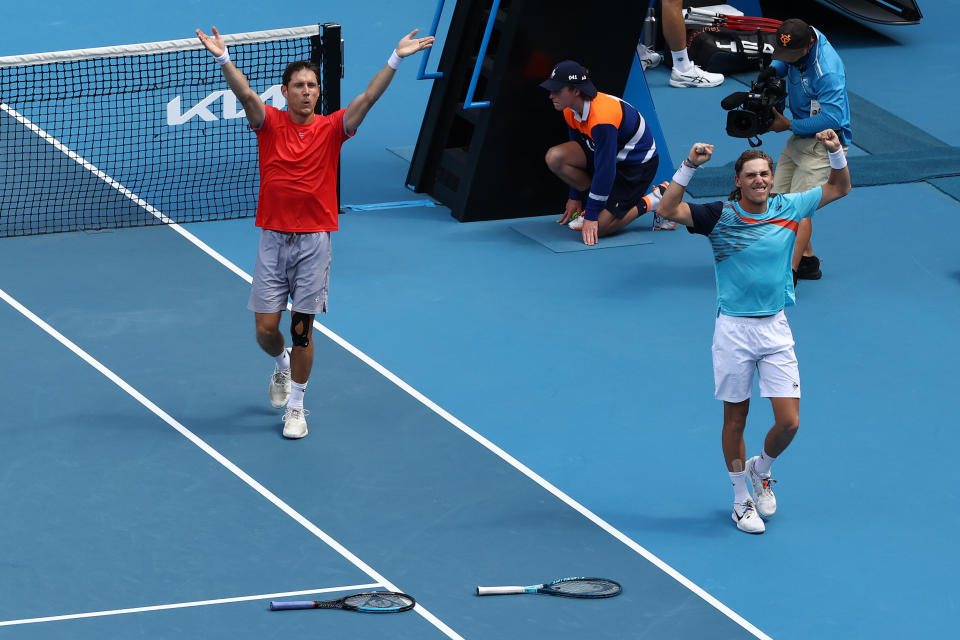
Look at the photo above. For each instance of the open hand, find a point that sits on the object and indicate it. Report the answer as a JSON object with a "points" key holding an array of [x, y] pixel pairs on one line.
{"points": [[573, 206], [590, 232], [410, 45], [215, 44]]}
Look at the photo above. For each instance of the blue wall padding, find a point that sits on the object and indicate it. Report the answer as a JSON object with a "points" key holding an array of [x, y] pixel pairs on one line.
{"points": [[637, 93], [950, 186], [876, 130]]}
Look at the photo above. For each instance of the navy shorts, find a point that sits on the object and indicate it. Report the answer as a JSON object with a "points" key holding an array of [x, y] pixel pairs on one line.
{"points": [[630, 185]]}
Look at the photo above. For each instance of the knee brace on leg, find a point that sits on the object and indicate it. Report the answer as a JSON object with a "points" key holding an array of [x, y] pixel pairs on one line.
{"points": [[301, 326]]}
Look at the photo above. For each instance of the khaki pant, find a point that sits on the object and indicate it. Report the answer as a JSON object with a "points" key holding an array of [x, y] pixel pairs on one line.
{"points": [[803, 165]]}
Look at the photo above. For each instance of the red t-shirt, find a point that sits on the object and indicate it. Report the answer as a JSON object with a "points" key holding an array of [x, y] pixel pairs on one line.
{"points": [[298, 172]]}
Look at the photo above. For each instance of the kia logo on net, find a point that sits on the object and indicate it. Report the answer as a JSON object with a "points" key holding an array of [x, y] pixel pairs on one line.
{"points": [[230, 107]]}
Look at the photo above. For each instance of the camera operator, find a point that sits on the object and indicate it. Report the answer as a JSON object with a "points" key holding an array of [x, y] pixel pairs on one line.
{"points": [[817, 97]]}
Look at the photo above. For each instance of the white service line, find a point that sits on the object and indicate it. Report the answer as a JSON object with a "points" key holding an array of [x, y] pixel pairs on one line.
{"points": [[216, 455], [440, 411], [182, 605]]}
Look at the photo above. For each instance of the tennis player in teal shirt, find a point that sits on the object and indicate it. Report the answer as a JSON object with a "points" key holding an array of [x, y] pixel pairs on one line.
{"points": [[753, 235]]}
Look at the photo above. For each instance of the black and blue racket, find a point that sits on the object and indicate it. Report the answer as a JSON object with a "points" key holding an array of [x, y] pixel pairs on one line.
{"points": [[566, 587], [368, 602]]}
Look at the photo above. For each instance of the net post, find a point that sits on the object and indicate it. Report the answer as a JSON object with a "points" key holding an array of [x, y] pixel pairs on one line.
{"points": [[329, 57]]}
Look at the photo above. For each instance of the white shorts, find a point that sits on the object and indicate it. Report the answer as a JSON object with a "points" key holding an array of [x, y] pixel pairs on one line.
{"points": [[742, 346]]}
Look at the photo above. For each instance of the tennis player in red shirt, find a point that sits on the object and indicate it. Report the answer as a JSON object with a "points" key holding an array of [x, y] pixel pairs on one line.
{"points": [[297, 209]]}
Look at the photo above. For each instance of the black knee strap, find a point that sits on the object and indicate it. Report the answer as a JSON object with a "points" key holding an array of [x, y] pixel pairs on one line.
{"points": [[301, 326]]}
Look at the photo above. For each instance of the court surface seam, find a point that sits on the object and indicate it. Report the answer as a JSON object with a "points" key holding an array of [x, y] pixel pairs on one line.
{"points": [[223, 460], [183, 605], [376, 366]]}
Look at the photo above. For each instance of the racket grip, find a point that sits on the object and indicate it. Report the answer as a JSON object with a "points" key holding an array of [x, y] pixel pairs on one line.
{"points": [[280, 605], [499, 591]]}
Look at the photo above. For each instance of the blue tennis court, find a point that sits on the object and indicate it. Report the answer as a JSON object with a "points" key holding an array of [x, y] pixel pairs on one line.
{"points": [[486, 409]]}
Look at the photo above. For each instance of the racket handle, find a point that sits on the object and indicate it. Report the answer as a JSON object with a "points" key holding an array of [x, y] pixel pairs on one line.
{"points": [[499, 591], [280, 605]]}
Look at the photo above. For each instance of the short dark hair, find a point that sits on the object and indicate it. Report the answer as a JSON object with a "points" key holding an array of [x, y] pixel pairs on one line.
{"points": [[745, 157], [299, 65]]}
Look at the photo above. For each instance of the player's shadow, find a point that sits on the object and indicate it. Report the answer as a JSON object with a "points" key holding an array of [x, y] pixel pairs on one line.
{"points": [[249, 419], [708, 524]]}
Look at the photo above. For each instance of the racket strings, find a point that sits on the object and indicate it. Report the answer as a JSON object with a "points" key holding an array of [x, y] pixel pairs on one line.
{"points": [[594, 587], [381, 601]]}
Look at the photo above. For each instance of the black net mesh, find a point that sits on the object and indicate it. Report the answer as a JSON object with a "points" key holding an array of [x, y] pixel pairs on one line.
{"points": [[130, 140]]}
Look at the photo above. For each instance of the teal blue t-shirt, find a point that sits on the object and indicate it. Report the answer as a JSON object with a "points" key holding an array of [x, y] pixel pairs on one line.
{"points": [[752, 252]]}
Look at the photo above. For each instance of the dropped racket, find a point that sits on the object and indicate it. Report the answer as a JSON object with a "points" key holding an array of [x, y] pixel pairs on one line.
{"points": [[370, 602], [566, 587]]}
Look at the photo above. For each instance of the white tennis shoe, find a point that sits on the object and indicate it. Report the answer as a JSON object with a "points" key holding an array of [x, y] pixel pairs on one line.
{"points": [[576, 222], [295, 423], [695, 77], [762, 489], [648, 57], [280, 386], [745, 515]]}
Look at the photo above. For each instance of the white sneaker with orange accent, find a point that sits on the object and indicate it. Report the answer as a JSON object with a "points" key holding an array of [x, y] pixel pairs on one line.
{"points": [[746, 517], [762, 489]]}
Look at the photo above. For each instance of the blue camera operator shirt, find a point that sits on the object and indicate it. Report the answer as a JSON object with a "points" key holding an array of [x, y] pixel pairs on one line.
{"points": [[752, 252], [817, 90]]}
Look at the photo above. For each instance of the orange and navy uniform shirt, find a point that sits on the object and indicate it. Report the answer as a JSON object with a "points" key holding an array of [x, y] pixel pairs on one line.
{"points": [[613, 132], [298, 172]]}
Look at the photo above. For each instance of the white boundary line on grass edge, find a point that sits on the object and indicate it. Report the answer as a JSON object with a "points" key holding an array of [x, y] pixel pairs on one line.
{"points": [[183, 605], [376, 366], [216, 455]]}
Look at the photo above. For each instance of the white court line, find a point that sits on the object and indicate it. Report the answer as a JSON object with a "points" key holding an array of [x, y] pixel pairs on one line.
{"points": [[216, 455], [440, 411], [183, 605]]}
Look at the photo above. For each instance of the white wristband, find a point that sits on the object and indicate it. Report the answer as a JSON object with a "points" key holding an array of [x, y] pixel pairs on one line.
{"points": [[394, 61], [223, 58], [683, 175], [838, 160]]}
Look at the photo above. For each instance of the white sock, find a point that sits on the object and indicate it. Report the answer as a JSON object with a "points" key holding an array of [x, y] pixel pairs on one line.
{"points": [[763, 463], [739, 481], [652, 200], [681, 62], [296, 395], [283, 360]]}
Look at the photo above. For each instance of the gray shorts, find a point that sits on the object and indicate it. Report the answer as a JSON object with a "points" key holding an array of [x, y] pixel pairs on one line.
{"points": [[294, 265]]}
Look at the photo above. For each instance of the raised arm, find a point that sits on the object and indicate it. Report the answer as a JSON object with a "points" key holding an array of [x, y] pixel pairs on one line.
{"points": [[838, 185], [672, 205], [359, 106], [252, 104]]}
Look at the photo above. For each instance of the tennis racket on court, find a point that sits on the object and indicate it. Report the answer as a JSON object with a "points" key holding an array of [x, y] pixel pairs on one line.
{"points": [[368, 602], [566, 587]]}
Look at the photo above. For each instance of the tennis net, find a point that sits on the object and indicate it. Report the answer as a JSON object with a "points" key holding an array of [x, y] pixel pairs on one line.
{"points": [[142, 134]]}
